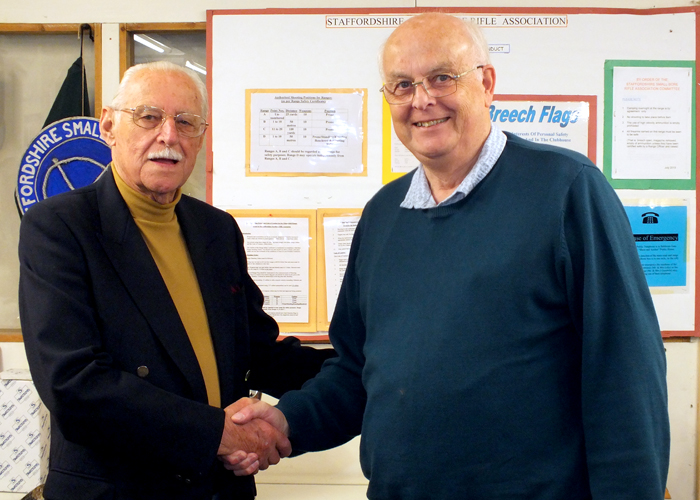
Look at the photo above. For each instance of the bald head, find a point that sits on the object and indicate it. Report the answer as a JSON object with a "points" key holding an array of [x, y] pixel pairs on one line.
{"points": [[135, 74], [438, 32]]}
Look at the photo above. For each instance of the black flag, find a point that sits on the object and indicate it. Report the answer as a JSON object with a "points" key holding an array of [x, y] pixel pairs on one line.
{"points": [[72, 99]]}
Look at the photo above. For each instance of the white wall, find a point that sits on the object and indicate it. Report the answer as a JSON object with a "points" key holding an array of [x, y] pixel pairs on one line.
{"points": [[335, 474], [128, 11]]}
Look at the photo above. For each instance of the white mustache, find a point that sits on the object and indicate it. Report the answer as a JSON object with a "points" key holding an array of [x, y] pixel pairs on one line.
{"points": [[166, 154]]}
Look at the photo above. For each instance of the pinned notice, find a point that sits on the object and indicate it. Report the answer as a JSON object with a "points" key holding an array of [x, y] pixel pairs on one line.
{"points": [[652, 122], [660, 235]]}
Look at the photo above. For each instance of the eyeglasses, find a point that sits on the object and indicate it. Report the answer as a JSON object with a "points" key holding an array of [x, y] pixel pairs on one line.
{"points": [[150, 117], [439, 85]]}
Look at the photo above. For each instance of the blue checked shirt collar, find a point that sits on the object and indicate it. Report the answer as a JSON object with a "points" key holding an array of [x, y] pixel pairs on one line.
{"points": [[419, 195]]}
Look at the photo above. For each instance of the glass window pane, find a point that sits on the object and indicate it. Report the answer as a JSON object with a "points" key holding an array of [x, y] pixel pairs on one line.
{"points": [[32, 70]]}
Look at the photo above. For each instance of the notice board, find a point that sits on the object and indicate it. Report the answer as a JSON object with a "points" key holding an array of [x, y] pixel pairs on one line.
{"points": [[298, 121]]}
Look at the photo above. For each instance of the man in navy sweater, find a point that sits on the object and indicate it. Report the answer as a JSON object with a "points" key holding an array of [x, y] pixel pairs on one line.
{"points": [[495, 332]]}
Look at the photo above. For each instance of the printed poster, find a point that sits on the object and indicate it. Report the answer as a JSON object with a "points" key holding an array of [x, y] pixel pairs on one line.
{"points": [[661, 235]]}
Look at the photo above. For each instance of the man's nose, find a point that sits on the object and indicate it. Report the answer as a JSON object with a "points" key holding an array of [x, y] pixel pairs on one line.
{"points": [[421, 98], [168, 131]]}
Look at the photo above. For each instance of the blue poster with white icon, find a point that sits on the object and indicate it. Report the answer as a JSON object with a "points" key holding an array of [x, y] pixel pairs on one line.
{"points": [[661, 237]]}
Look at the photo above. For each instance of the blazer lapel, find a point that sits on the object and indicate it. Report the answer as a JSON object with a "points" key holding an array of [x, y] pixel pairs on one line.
{"points": [[201, 240], [126, 249]]}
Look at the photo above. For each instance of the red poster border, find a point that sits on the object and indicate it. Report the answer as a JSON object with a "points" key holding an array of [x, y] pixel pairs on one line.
{"points": [[592, 101]]}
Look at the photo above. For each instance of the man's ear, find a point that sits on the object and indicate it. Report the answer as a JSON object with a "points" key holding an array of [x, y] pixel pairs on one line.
{"points": [[489, 82], [107, 126]]}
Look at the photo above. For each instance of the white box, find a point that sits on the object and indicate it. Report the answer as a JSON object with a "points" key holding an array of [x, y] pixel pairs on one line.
{"points": [[25, 431]]}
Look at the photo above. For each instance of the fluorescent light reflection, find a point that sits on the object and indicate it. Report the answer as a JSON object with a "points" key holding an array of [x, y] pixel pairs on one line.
{"points": [[196, 67], [150, 43]]}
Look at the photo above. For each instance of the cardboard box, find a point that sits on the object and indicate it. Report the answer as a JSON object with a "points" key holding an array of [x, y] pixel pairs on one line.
{"points": [[25, 431]]}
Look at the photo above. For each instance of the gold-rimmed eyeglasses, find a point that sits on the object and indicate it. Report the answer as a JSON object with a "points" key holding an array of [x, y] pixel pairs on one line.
{"points": [[150, 117], [437, 85]]}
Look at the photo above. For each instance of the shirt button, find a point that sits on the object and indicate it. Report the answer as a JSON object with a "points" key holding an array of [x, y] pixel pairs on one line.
{"points": [[142, 371]]}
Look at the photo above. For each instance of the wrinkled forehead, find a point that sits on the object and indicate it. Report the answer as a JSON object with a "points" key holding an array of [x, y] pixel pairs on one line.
{"points": [[171, 91]]}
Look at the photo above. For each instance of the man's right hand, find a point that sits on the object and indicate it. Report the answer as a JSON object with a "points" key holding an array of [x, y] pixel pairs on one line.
{"points": [[261, 410], [251, 445]]}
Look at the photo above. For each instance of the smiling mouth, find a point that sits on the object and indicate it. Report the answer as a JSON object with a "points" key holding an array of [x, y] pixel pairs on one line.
{"points": [[430, 123]]}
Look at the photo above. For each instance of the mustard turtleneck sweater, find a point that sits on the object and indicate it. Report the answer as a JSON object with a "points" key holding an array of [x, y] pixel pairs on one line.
{"points": [[161, 231]]}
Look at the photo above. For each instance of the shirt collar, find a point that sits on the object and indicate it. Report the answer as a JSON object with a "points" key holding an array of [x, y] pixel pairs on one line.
{"points": [[419, 195]]}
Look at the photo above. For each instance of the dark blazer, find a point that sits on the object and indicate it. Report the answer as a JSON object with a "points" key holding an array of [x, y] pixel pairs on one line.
{"points": [[112, 361]]}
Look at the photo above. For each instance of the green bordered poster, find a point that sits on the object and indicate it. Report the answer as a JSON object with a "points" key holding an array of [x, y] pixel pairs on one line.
{"points": [[650, 124]]}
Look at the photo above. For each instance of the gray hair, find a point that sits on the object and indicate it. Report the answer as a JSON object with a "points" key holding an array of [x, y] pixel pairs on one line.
{"points": [[479, 46], [119, 100]]}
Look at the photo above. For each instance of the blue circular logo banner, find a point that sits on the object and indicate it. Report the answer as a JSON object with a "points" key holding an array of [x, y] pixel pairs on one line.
{"points": [[66, 155]]}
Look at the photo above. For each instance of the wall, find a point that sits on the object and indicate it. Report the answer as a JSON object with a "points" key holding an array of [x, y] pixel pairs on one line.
{"points": [[127, 11], [335, 474]]}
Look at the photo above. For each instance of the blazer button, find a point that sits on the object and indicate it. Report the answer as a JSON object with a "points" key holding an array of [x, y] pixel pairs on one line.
{"points": [[142, 371]]}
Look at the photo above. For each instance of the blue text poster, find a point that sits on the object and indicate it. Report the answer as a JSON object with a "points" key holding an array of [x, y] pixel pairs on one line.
{"points": [[660, 234]]}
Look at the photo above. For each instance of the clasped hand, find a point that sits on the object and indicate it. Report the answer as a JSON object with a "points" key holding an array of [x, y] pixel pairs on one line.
{"points": [[254, 437]]}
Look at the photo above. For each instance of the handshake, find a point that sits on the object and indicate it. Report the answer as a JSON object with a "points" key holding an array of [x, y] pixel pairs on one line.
{"points": [[254, 437]]}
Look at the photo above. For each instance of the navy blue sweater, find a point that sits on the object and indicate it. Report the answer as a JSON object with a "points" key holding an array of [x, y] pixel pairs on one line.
{"points": [[503, 347]]}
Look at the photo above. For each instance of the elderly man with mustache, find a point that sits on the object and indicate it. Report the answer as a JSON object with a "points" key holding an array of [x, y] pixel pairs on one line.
{"points": [[141, 323]]}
